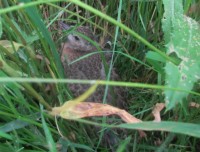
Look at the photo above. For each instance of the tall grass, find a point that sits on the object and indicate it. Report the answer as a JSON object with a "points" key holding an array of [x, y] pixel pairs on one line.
{"points": [[29, 29]]}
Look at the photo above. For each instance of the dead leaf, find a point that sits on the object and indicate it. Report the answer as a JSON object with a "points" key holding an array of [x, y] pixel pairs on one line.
{"points": [[76, 109], [194, 105], [9, 45], [89, 109], [156, 111]]}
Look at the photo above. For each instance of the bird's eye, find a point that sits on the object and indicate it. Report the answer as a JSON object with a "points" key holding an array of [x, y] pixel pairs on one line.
{"points": [[76, 38]]}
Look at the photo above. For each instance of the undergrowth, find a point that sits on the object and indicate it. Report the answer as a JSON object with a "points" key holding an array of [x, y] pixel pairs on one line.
{"points": [[141, 33]]}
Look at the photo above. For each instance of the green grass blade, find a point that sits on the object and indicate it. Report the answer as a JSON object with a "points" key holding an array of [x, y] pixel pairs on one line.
{"points": [[175, 127], [49, 138], [52, 53]]}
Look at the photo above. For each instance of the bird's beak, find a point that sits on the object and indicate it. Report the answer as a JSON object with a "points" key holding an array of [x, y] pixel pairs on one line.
{"points": [[63, 26]]}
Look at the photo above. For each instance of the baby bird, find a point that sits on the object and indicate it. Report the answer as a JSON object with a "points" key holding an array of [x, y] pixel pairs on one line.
{"points": [[90, 67]]}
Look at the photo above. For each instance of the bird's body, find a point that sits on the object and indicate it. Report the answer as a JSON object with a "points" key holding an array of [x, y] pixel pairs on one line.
{"points": [[90, 67]]}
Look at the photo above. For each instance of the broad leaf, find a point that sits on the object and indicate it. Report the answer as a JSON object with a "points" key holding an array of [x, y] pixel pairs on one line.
{"points": [[184, 41]]}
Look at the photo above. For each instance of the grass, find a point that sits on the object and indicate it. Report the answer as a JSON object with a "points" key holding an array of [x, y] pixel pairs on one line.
{"points": [[133, 28]]}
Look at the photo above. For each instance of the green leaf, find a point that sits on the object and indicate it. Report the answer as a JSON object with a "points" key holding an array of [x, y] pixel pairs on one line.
{"points": [[175, 127], [156, 60], [1, 29], [155, 56], [28, 38], [49, 138], [122, 147], [5, 135], [184, 42], [18, 124], [65, 144], [52, 53], [172, 8]]}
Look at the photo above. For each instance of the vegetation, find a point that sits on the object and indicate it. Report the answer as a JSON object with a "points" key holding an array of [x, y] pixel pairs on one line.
{"points": [[155, 44]]}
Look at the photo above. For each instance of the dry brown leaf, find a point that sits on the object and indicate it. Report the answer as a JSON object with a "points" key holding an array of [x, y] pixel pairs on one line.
{"points": [[194, 105], [76, 109], [89, 109], [10, 46], [156, 111]]}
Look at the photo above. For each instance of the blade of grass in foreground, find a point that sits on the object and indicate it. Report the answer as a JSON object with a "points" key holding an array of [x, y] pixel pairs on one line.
{"points": [[100, 82], [175, 127], [49, 138], [39, 25]]}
